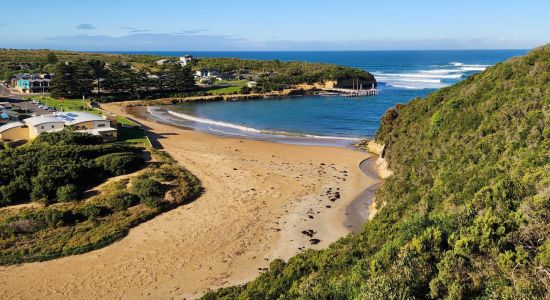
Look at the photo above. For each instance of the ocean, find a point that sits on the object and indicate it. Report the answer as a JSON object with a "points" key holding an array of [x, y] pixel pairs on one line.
{"points": [[401, 76]]}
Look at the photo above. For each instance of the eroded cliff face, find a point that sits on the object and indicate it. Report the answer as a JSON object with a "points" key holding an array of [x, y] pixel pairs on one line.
{"points": [[381, 163]]}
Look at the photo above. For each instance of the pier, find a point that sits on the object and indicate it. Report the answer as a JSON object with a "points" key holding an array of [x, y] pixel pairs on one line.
{"points": [[355, 92]]}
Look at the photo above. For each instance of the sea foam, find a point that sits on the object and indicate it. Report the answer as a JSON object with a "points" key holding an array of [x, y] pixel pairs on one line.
{"points": [[244, 131]]}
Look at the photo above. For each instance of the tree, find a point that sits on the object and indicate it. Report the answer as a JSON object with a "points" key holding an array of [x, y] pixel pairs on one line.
{"points": [[98, 71], [83, 74], [179, 79], [51, 58], [63, 81]]}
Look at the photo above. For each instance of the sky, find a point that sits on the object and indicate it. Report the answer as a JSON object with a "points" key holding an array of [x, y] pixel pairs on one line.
{"points": [[236, 25]]}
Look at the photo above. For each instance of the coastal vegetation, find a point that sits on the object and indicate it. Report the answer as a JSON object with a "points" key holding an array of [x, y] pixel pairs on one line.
{"points": [[113, 77], [78, 201], [465, 213]]}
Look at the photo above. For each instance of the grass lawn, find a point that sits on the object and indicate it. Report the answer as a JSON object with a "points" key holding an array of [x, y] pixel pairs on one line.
{"points": [[66, 104], [122, 120], [235, 87], [134, 135]]}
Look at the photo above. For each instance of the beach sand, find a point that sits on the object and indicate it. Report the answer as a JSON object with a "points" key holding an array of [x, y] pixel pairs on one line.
{"points": [[259, 199]]}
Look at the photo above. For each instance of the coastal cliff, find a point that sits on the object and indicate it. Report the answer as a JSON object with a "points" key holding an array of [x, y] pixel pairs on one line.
{"points": [[466, 213]]}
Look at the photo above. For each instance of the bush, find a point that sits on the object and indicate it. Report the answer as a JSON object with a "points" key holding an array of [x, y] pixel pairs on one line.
{"points": [[147, 188], [35, 171], [91, 212], [121, 200], [153, 202], [120, 163], [67, 193], [68, 136]]}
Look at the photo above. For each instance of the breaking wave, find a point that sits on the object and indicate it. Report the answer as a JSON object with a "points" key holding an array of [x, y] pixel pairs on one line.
{"points": [[212, 122], [440, 76]]}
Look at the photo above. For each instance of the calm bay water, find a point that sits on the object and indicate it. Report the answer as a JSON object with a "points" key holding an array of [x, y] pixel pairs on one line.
{"points": [[402, 76]]}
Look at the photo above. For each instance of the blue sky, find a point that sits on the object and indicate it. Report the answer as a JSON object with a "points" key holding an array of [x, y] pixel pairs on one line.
{"points": [[212, 25]]}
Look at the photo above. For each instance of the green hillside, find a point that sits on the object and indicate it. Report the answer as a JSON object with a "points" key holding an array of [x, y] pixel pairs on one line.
{"points": [[466, 213]]}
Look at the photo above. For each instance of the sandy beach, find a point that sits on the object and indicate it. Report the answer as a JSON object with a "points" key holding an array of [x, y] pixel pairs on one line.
{"points": [[262, 201]]}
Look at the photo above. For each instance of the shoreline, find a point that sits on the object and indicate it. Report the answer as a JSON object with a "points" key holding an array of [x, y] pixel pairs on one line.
{"points": [[260, 197], [171, 118], [287, 93]]}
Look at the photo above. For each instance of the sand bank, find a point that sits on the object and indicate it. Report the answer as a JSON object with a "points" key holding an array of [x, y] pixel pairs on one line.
{"points": [[262, 201]]}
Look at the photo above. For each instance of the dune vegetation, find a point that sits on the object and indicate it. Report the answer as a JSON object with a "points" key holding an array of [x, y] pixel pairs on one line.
{"points": [[79, 202], [466, 213]]}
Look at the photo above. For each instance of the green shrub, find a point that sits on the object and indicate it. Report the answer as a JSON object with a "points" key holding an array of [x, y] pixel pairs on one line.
{"points": [[153, 202], [146, 188], [121, 200], [68, 136], [67, 193], [37, 170], [120, 163], [91, 212]]}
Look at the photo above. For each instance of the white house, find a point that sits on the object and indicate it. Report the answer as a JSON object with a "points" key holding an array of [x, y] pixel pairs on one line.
{"points": [[212, 74], [184, 60], [40, 124], [161, 62], [89, 123]]}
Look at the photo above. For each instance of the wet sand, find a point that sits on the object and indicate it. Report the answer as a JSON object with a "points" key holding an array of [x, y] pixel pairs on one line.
{"points": [[262, 201]]}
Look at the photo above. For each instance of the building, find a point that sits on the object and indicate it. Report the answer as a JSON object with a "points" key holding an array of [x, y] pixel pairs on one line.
{"points": [[40, 124], [24, 67], [211, 74], [14, 131], [162, 62], [184, 60], [252, 84], [89, 123], [353, 83], [32, 83], [30, 128]]}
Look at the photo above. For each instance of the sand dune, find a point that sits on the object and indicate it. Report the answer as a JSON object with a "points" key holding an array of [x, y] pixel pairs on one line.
{"points": [[259, 199]]}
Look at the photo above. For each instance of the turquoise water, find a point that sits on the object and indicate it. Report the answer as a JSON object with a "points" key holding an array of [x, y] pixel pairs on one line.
{"points": [[402, 76]]}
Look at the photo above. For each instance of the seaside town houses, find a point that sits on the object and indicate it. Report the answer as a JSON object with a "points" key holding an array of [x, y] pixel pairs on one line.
{"points": [[207, 74], [30, 128], [183, 61], [32, 83]]}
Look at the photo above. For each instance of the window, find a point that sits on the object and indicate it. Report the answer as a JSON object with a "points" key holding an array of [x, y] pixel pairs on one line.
{"points": [[53, 126], [100, 125], [41, 127]]}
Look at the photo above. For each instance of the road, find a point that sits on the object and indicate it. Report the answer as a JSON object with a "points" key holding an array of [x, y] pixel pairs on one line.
{"points": [[6, 93]]}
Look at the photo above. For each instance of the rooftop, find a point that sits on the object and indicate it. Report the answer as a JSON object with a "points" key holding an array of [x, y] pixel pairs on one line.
{"points": [[34, 121], [10, 126], [71, 118]]}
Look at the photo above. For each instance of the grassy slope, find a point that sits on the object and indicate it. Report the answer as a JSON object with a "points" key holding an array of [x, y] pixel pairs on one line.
{"points": [[466, 213]]}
